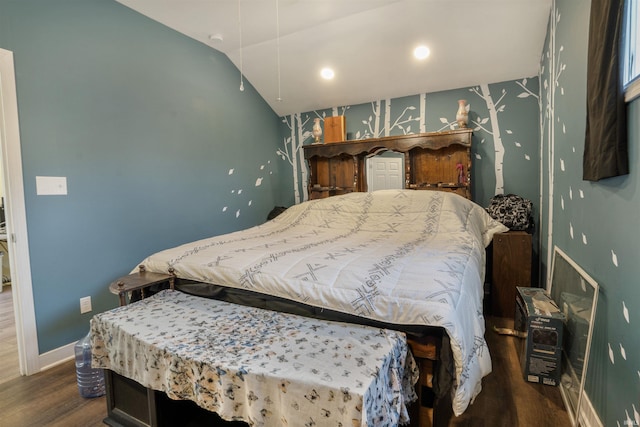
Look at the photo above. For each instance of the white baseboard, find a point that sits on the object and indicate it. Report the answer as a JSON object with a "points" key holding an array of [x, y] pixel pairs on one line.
{"points": [[56, 356], [588, 416]]}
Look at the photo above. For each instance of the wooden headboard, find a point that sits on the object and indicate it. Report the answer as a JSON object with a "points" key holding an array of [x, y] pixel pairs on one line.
{"points": [[432, 161]]}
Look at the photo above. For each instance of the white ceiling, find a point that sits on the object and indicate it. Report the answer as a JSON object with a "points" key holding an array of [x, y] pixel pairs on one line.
{"points": [[369, 43]]}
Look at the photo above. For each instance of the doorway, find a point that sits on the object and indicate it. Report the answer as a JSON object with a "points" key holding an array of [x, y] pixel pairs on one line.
{"points": [[16, 221]]}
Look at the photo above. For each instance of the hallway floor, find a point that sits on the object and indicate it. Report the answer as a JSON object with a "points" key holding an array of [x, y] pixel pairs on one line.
{"points": [[9, 364]]}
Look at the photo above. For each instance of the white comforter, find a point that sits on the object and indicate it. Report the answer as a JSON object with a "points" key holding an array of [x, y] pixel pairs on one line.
{"points": [[399, 256]]}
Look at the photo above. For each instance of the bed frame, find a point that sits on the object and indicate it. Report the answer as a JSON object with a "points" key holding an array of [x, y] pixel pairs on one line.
{"points": [[432, 161]]}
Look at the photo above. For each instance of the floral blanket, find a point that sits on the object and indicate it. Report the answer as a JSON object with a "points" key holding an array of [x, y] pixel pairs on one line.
{"points": [[263, 367]]}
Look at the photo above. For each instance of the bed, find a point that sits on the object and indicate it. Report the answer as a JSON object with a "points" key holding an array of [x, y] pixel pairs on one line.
{"points": [[407, 260]]}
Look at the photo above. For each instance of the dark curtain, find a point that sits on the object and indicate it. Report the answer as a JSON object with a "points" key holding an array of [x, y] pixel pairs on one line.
{"points": [[605, 149]]}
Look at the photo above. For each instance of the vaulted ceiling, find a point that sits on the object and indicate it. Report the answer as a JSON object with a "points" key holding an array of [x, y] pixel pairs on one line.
{"points": [[281, 45]]}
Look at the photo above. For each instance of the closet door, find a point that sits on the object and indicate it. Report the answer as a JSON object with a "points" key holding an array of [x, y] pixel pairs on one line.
{"points": [[385, 172]]}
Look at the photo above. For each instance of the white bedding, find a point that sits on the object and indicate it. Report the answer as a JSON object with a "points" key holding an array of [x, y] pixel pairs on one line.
{"points": [[399, 256]]}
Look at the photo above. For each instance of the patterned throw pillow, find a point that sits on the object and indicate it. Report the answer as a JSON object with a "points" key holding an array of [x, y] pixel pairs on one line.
{"points": [[512, 210]]}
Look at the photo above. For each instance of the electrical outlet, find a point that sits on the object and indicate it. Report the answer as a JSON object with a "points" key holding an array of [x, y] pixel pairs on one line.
{"points": [[85, 305]]}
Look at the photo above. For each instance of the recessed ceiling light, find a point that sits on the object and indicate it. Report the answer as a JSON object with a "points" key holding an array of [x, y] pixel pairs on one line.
{"points": [[327, 73], [421, 52]]}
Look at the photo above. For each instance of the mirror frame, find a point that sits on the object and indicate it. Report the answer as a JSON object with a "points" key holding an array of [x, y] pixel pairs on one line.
{"points": [[586, 283]]}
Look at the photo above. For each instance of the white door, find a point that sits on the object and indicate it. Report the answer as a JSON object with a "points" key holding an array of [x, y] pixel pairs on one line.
{"points": [[17, 238], [385, 171]]}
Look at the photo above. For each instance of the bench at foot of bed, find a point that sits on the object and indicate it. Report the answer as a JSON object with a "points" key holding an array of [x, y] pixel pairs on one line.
{"points": [[264, 367], [131, 404]]}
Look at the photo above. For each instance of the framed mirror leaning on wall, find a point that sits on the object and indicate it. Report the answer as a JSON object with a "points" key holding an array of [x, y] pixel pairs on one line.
{"points": [[576, 293]]}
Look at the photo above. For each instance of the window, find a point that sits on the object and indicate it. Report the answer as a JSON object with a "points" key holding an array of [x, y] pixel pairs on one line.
{"points": [[631, 66]]}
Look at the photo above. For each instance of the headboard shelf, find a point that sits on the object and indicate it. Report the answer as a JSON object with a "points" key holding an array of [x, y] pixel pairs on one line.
{"points": [[432, 161], [430, 141], [436, 185]]}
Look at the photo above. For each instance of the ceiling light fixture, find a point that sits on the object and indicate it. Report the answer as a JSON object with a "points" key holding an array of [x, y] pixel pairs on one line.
{"points": [[240, 37], [421, 52], [327, 73]]}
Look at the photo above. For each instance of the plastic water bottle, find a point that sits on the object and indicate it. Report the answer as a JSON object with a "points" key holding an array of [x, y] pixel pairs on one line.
{"points": [[90, 380]]}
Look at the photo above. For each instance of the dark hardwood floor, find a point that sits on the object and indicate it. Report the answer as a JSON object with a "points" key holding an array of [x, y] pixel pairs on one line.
{"points": [[51, 398]]}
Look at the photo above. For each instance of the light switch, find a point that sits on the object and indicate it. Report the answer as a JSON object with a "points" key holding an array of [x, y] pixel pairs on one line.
{"points": [[51, 185], [85, 305]]}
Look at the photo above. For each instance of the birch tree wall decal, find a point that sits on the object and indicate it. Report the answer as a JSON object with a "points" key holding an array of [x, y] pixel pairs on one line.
{"points": [[292, 152], [493, 129], [423, 113], [304, 135], [376, 113], [556, 67], [387, 117], [335, 111], [402, 123], [372, 131], [526, 93]]}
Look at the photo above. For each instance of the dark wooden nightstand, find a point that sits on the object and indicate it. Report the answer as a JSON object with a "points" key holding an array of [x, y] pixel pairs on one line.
{"points": [[511, 267]]}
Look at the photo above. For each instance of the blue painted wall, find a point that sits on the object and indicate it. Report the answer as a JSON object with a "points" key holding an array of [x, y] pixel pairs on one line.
{"points": [[158, 145], [596, 224]]}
